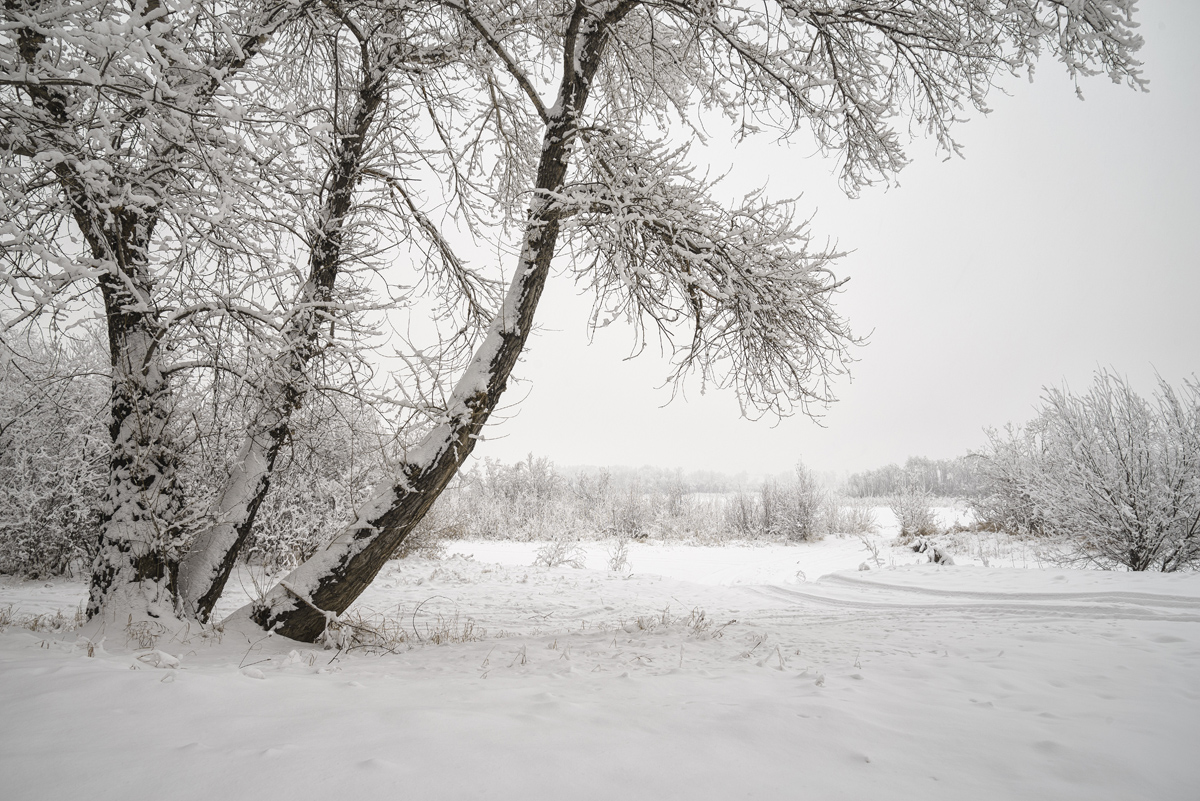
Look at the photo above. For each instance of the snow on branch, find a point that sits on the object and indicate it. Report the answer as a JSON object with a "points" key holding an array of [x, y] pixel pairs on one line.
{"points": [[854, 74], [663, 253]]}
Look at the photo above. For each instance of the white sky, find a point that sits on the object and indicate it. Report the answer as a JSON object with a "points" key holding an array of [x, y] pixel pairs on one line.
{"points": [[1064, 241]]}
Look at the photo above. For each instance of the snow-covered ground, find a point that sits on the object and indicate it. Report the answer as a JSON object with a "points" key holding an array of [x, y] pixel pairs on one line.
{"points": [[705, 673]]}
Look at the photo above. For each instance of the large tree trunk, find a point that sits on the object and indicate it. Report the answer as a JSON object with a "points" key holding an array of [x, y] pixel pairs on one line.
{"points": [[135, 566], [326, 584], [138, 548]]}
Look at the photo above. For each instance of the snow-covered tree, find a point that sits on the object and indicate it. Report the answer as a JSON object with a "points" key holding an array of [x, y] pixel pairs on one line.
{"points": [[196, 166], [913, 507], [237, 183], [1117, 475]]}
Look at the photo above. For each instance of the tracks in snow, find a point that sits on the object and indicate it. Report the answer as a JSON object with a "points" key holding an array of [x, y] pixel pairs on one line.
{"points": [[847, 593]]}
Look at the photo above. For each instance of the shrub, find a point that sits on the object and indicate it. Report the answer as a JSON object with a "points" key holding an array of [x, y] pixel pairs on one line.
{"points": [[913, 507], [848, 516], [560, 551], [53, 456], [793, 510], [1116, 475], [742, 513], [331, 465], [1005, 503]]}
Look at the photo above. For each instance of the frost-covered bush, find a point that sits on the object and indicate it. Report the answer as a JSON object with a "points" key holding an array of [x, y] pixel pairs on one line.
{"points": [[742, 513], [853, 516], [1008, 471], [53, 455], [618, 556], [524, 501], [793, 509], [337, 456], [913, 508], [632, 514], [1116, 475], [55, 446], [558, 552], [337, 449]]}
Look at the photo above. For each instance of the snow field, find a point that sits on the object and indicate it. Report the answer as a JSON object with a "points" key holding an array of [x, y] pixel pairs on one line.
{"points": [[914, 682]]}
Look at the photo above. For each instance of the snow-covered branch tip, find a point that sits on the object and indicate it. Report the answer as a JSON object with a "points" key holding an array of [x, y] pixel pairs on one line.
{"points": [[660, 251]]}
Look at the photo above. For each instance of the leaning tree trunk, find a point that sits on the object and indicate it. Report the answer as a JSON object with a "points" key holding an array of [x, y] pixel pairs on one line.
{"points": [[214, 551], [326, 584]]}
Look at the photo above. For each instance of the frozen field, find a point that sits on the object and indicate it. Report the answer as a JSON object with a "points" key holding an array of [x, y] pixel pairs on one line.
{"points": [[706, 673]]}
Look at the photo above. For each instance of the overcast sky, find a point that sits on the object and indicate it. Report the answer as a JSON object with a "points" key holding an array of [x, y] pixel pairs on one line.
{"points": [[1065, 240]]}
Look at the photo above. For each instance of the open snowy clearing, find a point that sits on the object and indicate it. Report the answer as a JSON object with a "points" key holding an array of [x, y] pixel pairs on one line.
{"points": [[707, 673]]}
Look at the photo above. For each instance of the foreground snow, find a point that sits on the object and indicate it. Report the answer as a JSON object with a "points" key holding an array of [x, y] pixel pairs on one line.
{"points": [[913, 682]]}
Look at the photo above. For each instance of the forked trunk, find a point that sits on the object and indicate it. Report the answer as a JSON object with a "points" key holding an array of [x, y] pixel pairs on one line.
{"points": [[333, 578]]}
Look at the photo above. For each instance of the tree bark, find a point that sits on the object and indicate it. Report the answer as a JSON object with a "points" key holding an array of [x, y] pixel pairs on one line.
{"points": [[137, 529], [139, 540]]}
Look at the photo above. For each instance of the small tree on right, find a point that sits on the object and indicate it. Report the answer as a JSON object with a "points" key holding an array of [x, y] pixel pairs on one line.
{"points": [[1114, 473]]}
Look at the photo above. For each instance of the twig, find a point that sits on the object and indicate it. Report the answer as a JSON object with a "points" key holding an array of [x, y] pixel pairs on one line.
{"points": [[418, 609]]}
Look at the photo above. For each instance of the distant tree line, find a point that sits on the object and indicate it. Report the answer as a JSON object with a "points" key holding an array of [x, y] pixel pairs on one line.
{"points": [[943, 478], [532, 500]]}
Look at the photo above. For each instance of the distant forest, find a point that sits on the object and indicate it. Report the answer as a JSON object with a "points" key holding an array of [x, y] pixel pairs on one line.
{"points": [[957, 478], [947, 478]]}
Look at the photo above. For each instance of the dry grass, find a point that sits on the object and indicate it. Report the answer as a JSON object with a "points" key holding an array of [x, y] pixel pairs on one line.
{"points": [[381, 633], [145, 633], [50, 623], [696, 622], [559, 552]]}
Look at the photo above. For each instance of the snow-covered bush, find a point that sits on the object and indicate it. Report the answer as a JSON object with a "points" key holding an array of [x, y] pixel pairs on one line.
{"points": [[618, 556], [337, 456], [913, 508], [53, 455], [558, 552], [337, 449], [1005, 503], [793, 510], [1115, 474], [631, 514], [742, 513], [55, 447], [853, 516], [524, 501]]}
